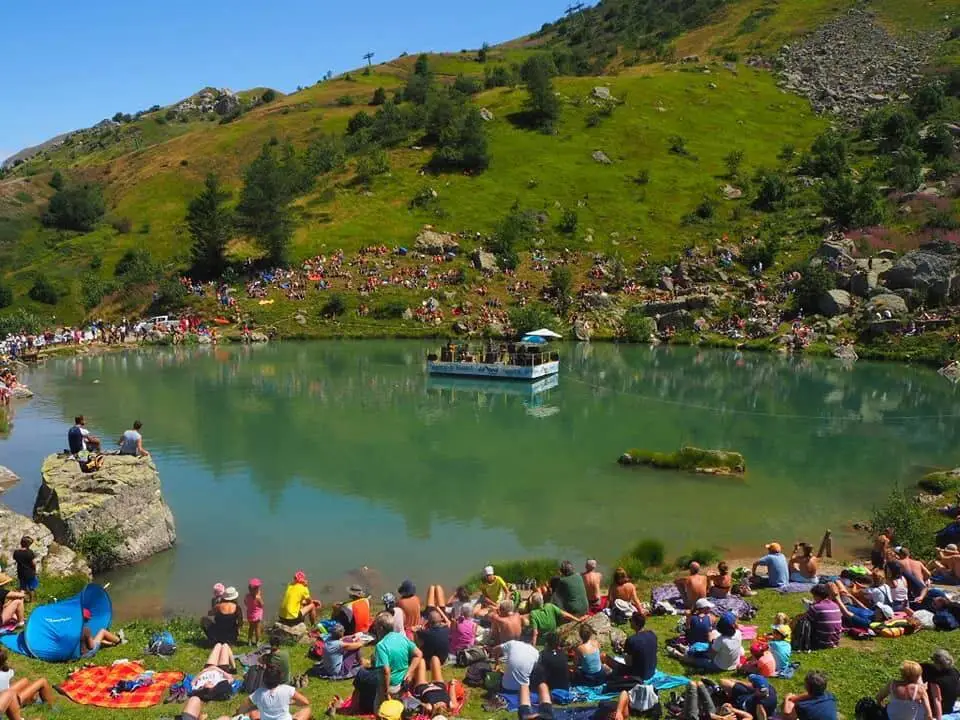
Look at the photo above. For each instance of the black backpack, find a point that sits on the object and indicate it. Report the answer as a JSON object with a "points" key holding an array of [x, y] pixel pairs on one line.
{"points": [[477, 674], [253, 680], [802, 635], [868, 708]]}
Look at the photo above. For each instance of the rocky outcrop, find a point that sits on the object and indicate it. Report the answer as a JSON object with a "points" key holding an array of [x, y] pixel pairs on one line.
{"points": [[929, 272], [54, 559], [431, 242], [8, 478], [834, 302], [124, 496], [887, 305], [847, 353], [485, 261], [851, 64]]}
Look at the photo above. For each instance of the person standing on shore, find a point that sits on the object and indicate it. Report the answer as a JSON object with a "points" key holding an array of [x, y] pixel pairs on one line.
{"points": [[131, 443], [26, 561]]}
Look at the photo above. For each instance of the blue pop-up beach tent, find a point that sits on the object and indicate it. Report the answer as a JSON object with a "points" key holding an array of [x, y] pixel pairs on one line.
{"points": [[53, 632]]}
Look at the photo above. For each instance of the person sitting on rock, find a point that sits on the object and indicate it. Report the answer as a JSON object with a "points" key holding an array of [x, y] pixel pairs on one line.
{"points": [[80, 439], [90, 643], [131, 443], [297, 606]]}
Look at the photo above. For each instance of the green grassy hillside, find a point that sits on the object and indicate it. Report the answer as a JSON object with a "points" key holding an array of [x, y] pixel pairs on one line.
{"points": [[639, 205]]}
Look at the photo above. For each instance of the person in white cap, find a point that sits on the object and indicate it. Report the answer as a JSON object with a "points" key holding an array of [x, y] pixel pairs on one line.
{"points": [[493, 590], [700, 622]]}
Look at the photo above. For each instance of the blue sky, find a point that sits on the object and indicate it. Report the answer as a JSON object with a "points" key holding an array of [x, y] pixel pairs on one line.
{"points": [[70, 64]]}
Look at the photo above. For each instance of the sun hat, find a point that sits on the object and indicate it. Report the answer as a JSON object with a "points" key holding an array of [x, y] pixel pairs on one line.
{"points": [[218, 589], [774, 547], [952, 547], [230, 593], [388, 599], [488, 570], [4, 579], [390, 710], [782, 630], [356, 591], [300, 577], [407, 589], [703, 604], [255, 582]]}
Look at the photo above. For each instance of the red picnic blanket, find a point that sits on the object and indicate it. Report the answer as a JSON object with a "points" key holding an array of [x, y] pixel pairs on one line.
{"points": [[92, 686]]}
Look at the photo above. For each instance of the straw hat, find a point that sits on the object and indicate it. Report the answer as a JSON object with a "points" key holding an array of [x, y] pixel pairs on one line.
{"points": [[4, 579]]}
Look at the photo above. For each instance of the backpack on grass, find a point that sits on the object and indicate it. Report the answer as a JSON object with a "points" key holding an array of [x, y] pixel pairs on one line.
{"points": [[162, 643]]}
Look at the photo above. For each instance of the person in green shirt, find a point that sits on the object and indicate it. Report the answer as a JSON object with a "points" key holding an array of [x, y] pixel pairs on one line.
{"points": [[568, 591], [545, 617], [394, 655]]}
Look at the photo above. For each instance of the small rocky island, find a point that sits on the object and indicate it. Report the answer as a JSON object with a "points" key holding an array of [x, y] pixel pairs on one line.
{"points": [[691, 459], [122, 497]]}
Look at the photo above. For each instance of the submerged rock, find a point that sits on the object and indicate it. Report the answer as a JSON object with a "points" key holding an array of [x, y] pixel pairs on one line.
{"points": [[54, 559], [692, 459], [8, 478], [123, 496]]}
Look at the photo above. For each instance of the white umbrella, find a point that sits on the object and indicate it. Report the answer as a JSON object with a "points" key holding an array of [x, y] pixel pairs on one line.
{"points": [[545, 333]]}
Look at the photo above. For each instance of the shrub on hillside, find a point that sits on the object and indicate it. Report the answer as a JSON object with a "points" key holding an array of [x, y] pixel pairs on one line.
{"points": [[345, 100], [914, 525], [56, 180], [334, 307], [929, 100], [772, 190], [568, 221], [77, 208], [325, 154], [136, 267], [467, 85], [171, 295], [358, 122], [938, 143], [637, 327], [852, 204], [389, 310], [6, 295], [379, 96], [512, 233], [732, 161], [827, 156], [45, 290], [372, 164], [100, 549], [898, 129], [543, 105], [499, 76], [906, 170], [269, 96], [93, 289], [531, 317], [814, 282]]}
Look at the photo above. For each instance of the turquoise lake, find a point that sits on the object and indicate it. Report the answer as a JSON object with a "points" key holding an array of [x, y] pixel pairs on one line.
{"points": [[335, 456]]}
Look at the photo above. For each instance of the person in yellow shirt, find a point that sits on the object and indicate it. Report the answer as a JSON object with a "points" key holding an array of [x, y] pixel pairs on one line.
{"points": [[297, 606], [493, 590]]}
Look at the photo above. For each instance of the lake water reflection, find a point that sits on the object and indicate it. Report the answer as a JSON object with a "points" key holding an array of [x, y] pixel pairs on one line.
{"points": [[338, 455]]}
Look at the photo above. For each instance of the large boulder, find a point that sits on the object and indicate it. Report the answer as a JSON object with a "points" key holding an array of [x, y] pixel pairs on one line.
{"points": [[678, 320], [834, 302], [431, 242], [485, 261], [836, 246], [226, 104], [929, 272], [606, 633], [124, 496], [887, 304], [8, 478], [54, 559]]}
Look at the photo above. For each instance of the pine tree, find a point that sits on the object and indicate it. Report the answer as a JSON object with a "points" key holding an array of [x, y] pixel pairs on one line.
{"points": [[211, 225], [264, 207], [543, 104]]}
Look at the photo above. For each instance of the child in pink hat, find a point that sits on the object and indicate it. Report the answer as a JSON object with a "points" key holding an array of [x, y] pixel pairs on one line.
{"points": [[253, 602]]}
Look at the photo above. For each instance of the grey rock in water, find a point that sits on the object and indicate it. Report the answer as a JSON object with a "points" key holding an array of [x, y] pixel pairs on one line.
{"points": [[834, 302], [123, 496], [54, 559], [846, 353], [8, 478]]}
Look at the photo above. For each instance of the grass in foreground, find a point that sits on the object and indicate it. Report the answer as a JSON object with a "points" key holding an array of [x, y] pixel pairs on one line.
{"points": [[855, 669]]}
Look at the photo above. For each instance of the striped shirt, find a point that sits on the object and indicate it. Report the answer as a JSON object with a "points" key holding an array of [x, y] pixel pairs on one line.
{"points": [[827, 624]]}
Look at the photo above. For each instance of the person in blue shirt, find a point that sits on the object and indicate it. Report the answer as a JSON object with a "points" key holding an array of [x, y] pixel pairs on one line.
{"points": [[815, 704], [778, 572]]}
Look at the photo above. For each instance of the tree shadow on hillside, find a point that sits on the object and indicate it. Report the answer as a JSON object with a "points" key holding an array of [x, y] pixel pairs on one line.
{"points": [[525, 120]]}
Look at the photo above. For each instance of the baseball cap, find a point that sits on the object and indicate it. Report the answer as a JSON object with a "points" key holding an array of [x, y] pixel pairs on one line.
{"points": [[783, 630], [488, 570], [87, 614], [703, 604], [952, 547], [758, 648], [255, 582], [774, 547]]}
